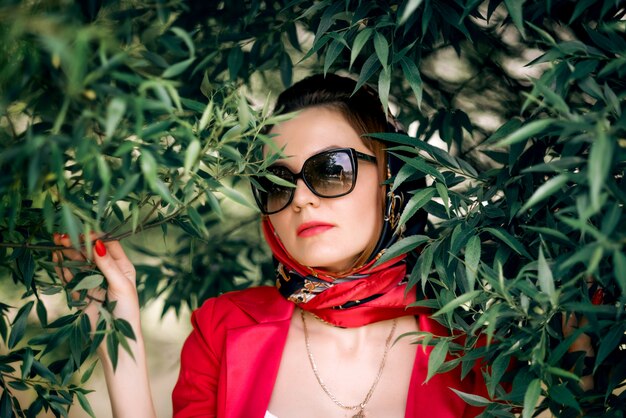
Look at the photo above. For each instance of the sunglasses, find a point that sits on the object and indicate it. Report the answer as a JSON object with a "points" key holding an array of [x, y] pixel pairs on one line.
{"points": [[330, 173]]}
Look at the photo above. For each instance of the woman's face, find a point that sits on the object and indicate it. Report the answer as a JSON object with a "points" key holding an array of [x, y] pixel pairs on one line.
{"points": [[326, 233]]}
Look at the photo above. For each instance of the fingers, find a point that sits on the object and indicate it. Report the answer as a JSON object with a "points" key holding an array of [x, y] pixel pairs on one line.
{"points": [[113, 263], [114, 248], [70, 253]]}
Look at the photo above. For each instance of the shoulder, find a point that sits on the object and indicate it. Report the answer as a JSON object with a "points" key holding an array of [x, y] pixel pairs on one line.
{"points": [[244, 307]]}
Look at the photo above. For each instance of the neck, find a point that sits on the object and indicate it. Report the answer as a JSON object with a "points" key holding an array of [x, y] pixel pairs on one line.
{"points": [[346, 340]]}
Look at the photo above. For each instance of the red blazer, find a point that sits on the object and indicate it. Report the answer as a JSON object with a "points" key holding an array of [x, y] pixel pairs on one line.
{"points": [[230, 361]]}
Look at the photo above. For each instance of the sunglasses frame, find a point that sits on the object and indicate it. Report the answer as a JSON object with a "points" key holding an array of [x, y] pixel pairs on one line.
{"points": [[351, 152]]}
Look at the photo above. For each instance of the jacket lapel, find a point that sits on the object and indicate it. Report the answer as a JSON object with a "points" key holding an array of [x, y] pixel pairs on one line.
{"points": [[253, 355]]}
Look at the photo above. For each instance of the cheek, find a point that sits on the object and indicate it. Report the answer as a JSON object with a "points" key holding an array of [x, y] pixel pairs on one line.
{"points": [[279, 222]]}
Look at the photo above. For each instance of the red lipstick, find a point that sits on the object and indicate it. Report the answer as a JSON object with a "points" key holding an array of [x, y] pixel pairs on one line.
{"points": [[309, 229]]}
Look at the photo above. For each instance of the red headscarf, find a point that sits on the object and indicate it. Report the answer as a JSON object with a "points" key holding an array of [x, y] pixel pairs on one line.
{"points": [[362, 296]]}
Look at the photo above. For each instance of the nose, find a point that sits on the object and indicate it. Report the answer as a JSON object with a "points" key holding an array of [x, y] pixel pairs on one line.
{"points": [[303, 196]]}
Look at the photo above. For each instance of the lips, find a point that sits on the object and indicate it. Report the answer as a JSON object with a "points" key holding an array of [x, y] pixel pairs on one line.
{"points": [[309, 229]]}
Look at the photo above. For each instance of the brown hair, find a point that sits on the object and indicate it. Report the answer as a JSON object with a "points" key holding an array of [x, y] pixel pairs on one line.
{"points": [[361, 109]]}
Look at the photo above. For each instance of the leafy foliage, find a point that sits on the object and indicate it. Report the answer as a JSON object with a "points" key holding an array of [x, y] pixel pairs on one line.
{"points": [[118, 118]]}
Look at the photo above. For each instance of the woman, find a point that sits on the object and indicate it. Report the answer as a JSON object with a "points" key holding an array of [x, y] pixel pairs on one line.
{"points": [[319, 344]]}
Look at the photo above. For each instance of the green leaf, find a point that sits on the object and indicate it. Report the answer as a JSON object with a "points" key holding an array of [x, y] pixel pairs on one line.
{"points": [[562, 395], [44, 372], [214, 204], [125, 328], [103, 170], [85, 377], [26, 267], [458, 301], [531, 397], [550, 234], [182, 34], [419, 163], [544, 191], [527, 131], [437, 357], [115, 113], [207, 116], [71, 224], [600, 158], [413, 76], [403, 246], [474, 400], [612, 100], [610, 341], [619, 269], [509, 240], [197, 222], [563, 373], [235, 61], [370, 66], [84, 403], [411, 6], [359, 42], [27, 362], [419, 199], [161, 188], [498, 368], [515, 11], [126, 187], [236, 196], [384, 84], [404, 173], [18, 385], [472, 258], [89, 282], [178, 68], [442, 190], [333, 51], [148, 166], [382, 48], [286, 69], [545, 278], [112, 344], [280, 181], [42, 313], [6, 409], [191, 154], [426, 261], [49, 213], [555, 102]]}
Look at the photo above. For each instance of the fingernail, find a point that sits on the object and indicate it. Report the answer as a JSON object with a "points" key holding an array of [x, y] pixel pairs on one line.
{"points": [[63, 236], [598, 297], [100, 248]]}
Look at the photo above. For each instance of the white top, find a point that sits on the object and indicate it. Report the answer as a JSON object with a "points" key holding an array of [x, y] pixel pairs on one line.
{"points": [[268, 414]]}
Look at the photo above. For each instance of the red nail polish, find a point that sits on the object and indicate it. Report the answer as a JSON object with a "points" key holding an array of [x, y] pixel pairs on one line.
{"points": [[100, 248], [598, 297], [63, 236]]}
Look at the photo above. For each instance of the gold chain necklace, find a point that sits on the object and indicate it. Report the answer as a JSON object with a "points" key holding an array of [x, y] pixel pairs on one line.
{"points": [[360, 407]]}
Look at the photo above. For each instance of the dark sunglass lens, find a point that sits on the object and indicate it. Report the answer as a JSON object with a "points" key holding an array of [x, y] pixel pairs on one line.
{"points": [[330, 174], [276, 196]]}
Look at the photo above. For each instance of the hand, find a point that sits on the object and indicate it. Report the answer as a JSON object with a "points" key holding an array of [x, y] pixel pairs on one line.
{"points": [[128, 384], [110, 259]]}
